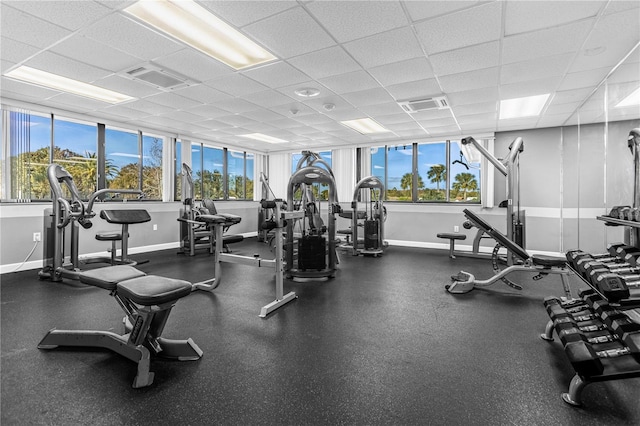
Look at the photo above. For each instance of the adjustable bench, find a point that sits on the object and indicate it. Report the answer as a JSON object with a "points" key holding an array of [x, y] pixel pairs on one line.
{"points": [[542, 265], [452, 241], [124, 218], [147, 301]]}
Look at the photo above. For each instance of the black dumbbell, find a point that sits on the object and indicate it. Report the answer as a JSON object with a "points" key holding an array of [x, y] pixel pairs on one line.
{"points": [[612, 286], [563, 323], [586, 360], [573, 334]]}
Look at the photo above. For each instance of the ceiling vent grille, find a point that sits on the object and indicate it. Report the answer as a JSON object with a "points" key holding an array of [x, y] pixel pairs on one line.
{"points": [[425, 104], [158, 77]]}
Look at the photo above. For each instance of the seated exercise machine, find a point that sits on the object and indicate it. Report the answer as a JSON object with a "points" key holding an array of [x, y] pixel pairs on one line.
{"points": [[124, 218], [369, 192], [62, 224], [276, 224], [510, 168], [147, 301], [464, 282], [194, 233]]}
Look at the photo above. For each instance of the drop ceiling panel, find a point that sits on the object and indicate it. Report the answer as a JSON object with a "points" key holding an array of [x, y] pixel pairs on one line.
{"points": [[548, 42], [31, 90], [534, 69], [202, 93], [236, 105], [89, 51], [63, 13], [325, 63], [419, 10], [478, 25], [77, 103], [469, 80], [577, 80], [194, 64], [124, 34], [529, 88], [384, 48], [489, 94], [173, 100], [290, 33], [28, 29], [15, 51], [268, 98], [236, 85], [277, 74], [241, 13], [126, 86], [387, 108], [471, 58], [151, 108], [65, 67], [476, 108], [209, 111], [349, 82], [568, 96], [368, 97], [372, 17], [524, 16], [263, 115], [415, 90], [403, 71]]}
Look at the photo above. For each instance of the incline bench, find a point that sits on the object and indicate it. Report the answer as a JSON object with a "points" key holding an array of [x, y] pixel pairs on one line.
{"points": [[542, 265], [147, 301]]}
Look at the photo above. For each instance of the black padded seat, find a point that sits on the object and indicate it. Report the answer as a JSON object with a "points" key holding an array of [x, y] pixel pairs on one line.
{"points": [[128, 217], [230, 239], [110, 276], [344, 231], [153, 290], [548, 261], [211, 218], [109, 236], [450, 236]]}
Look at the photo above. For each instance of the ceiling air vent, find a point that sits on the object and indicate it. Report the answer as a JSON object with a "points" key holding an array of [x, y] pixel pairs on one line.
{"points": [[425, 104], [158, 77]]}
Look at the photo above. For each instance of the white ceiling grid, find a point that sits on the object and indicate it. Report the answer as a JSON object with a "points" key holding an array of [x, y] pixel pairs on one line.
{"points": [[363, 56]]}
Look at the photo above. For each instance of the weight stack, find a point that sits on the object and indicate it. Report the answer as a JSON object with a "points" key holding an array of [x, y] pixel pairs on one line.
{"points": [[312, 252], [371, 235]]}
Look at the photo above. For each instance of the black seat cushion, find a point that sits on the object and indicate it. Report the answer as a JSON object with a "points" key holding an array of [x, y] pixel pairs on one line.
{"points": [[452, 236], [548, 261], [153, 290], [109, 236], [211, 218], [110, 276]]}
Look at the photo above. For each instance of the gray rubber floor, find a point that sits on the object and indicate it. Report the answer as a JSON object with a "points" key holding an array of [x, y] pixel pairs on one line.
{"points": [[381, 343]]}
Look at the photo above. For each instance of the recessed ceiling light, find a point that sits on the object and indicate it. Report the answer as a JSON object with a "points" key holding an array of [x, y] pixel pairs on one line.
{"points": [[194, 25], [307, 92], [522, 107], [365, 126], [631, 100], [64, 84], [263, 138]]}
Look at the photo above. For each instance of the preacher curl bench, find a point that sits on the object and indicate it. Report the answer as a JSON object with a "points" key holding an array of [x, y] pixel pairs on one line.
{"points": [[147, 301], [464, 282]]}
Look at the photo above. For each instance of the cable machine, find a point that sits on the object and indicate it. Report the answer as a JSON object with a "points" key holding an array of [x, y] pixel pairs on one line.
{"points": [[369, 192]]}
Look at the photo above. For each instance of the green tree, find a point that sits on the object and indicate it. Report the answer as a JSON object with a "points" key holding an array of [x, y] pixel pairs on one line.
{"points": [[437, 173], [465, 182]]}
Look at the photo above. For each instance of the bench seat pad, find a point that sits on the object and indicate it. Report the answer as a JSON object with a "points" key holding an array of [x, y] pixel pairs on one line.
{"points": [[110, 276], [153, 290], [452, 236]]}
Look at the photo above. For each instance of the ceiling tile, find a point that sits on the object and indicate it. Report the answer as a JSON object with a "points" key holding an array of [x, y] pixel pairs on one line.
{"points": [[290, 33], [31, 90], [236, 105], [469, 80], [77, 103], [568, 96], [566, 108], [65, 67], [415, 89], [268, 98], [68, 14], [419, 10], [172, 100], [386, 108], [124, 34], [6, 65], [473, 96], [526, 16], [466, 120], [95, 53], [290, 90], [432, 114], [350, 82], [241, 13], [208, 111], [478, 25], [529, 88], [151, 108], [263, 115], [589, 78], [14, 51], [28, 29], [125, 112], [383, 48], [236, 85], [338, 17], [325, 63], [276, 74], [202, 93], [550, 66], [395, 119], [194, 64], [548, 42], [126, 86], [338, 102], [627, 72], [403, 71], [620, 6], [236, 120], [476, 108], [466, 59], [368, 97]]}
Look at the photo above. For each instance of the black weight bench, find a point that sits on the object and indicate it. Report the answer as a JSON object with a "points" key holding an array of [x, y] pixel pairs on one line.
{"points": [[124, 218], [542, 265], [147, 301]]}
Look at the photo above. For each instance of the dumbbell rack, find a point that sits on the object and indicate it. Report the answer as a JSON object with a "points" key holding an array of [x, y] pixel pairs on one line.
{"points": [[585, 323], [634, 228]]}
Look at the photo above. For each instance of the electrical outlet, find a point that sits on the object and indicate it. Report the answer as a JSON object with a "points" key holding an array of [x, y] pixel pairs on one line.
{"points": [[36, 236], [155, 226], [456, 228]]}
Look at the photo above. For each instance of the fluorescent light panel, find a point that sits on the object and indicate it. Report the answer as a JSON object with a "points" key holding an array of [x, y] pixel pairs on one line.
{"points": [[64, 84], [631, 100], [365, 126], [194, 25], [263, 138], [522, 107]]}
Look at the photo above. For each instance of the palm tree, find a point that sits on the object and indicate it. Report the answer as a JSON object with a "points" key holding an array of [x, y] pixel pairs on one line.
{"points": [[407, 180], [437, 173], [465, 182]]}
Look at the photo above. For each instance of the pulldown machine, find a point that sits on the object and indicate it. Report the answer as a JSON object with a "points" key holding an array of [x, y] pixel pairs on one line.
{"points": [[67, 215], [368, 192]]}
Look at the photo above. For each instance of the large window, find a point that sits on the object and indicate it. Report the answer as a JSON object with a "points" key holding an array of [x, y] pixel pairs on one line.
{"points": [[75, 149], [152, 166], [177, 177], [122, 163], [440, 172], [212, 173]]}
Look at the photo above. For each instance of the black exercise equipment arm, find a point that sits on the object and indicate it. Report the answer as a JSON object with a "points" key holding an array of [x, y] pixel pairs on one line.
{"points": [[496, 235]]}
